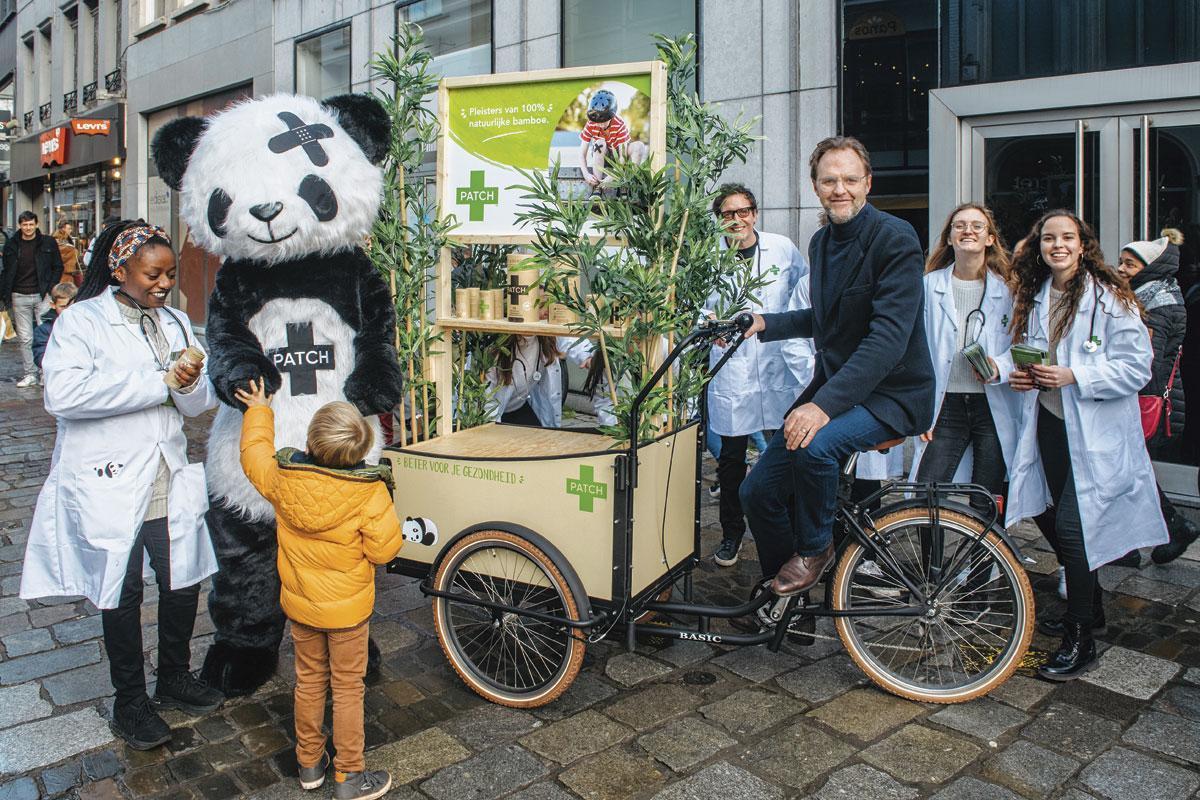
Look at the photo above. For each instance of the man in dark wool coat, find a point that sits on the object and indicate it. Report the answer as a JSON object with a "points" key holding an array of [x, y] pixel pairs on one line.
{"points": [[873, 379]]}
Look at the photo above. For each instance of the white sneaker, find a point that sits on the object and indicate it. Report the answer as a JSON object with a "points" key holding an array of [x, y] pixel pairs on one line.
{"points": [[27, 382], [1062, 582]]}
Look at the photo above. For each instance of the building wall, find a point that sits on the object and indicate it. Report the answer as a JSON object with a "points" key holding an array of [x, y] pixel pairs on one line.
{"points": [[791, 90], [223, 46]]}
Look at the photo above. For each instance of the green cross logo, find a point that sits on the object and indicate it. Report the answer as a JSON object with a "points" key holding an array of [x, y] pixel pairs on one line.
{"points": [[587, 488], [477, 195]]}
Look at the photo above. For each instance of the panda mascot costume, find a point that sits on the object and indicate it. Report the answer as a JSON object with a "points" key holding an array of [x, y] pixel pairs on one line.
{"points": [[285, 189]]}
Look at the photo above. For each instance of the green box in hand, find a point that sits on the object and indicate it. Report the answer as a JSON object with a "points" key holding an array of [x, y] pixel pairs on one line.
{"points": [[1024, 355]]}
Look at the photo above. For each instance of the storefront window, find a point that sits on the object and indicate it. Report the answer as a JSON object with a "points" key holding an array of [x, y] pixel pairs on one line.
{"points": [[621, 31], [1000, 40], [458, 34], [323, 64], [889, 64]]}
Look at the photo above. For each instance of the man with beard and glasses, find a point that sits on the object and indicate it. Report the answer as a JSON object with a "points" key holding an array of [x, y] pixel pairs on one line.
{"points": [[873, 380]]}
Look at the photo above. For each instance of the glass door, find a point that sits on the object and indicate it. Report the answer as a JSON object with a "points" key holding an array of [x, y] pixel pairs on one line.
{"points": [[1023, 170], [1161, 154]]}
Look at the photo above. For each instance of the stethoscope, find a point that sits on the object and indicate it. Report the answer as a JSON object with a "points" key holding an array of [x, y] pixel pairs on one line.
{"points": [[979, 314], [1093, 342], [147, 333]]}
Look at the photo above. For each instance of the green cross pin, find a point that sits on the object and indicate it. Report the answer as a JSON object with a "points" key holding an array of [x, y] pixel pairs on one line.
{"points": [[477, 196], [587, 488]]}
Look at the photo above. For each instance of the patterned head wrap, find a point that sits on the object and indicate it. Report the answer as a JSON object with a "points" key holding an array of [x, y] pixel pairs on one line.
{"points": [[129, 241]]}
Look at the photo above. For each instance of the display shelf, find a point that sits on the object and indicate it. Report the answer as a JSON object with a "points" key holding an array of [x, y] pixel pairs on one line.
{"points": [[526, 328]]}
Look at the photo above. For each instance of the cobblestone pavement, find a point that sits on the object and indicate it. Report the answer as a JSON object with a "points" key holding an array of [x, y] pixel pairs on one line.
{"points": [[685, 721]]}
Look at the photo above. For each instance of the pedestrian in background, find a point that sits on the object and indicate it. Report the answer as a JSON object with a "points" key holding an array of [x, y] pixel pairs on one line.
{"points": [[753, 391], [70, 255], [967, 301], [1086, 459], [32, 266], [1150, 268], [120, 482]]}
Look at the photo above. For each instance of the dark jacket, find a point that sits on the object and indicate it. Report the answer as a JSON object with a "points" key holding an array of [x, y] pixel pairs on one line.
{"points": [[41, 336], [1166, 317], [49, 265], [870, 344]]}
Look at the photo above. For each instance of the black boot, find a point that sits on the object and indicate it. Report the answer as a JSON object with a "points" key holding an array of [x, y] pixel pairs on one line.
{"points": [[1183, 533], [1056, 626], [1076, 655], [139, 725]]}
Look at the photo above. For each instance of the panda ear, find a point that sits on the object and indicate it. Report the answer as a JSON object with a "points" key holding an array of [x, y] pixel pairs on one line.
{"points": [[364, 118], [173, 146]]}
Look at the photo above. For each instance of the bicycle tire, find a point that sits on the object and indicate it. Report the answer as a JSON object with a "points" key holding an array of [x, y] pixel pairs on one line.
{"points": [[490, 661], [999, 557]]}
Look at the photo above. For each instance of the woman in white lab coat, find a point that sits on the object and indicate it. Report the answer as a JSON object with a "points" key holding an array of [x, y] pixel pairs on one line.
{"points": [[120, 482], [967, 301], [527, 382], [1080, 447], [755, 388]]}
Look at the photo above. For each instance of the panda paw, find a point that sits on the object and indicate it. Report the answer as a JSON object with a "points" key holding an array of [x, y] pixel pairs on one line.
{"points": [[240, 376], [373, 389]]}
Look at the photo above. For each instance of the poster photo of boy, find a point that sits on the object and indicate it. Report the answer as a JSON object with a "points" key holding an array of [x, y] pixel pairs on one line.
{"points": [[607, 121]]}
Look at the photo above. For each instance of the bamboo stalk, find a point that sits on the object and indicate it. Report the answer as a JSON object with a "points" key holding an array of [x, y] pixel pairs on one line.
{"points": [[671, 305], [612, 389]]}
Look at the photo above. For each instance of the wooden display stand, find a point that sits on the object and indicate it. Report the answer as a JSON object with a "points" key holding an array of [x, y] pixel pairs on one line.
{"points": [[565, 485]]}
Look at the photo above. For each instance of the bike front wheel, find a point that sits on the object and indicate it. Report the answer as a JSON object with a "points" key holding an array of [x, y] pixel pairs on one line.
{"points": [[968, 637], [506, 656]]}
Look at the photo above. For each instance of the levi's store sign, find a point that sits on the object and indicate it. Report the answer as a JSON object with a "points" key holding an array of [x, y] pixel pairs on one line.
{"points": [[91, 127], [54, 147]]}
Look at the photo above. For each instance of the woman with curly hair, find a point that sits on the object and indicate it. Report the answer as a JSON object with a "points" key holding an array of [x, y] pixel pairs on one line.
{"points": [[1080, 448]]}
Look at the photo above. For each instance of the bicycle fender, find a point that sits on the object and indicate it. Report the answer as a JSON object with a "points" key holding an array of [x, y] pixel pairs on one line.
{"points": [[962, 508], [542, 543]]}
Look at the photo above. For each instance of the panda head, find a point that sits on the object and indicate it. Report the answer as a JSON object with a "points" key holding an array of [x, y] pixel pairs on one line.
{"points": [[278, 177]]}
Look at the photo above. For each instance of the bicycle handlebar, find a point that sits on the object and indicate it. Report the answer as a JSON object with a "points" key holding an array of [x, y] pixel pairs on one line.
{"points": [[716, 328]]}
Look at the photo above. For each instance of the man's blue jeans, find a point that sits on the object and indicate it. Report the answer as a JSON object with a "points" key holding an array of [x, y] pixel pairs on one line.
{"points": [[712, 442], [790, 497]]}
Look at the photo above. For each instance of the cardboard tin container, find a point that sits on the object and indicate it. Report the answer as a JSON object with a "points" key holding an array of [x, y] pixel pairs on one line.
{"points": [[473, 302], [561, 313], [524, 298], [462, 304]]}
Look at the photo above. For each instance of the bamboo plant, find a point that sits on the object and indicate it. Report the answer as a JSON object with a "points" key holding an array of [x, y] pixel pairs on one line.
{"points": [[408, 236], [659, 266]]}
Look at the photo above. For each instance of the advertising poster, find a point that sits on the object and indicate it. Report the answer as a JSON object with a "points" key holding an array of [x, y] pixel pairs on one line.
{"points": [[495, 126]]}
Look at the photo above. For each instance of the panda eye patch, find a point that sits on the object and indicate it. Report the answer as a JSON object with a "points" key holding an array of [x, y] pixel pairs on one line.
{"points": [[319, 196], [218, 211]]}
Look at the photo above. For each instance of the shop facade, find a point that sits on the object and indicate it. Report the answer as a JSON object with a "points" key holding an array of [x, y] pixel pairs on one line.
{"points": [[73, 171]]}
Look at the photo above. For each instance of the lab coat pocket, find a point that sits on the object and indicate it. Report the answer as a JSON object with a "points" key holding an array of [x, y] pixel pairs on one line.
{"points": [[192, 555], [102, 502]]}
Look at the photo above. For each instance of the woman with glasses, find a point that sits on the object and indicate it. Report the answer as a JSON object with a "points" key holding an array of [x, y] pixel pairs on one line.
{"points": [[120, 481], [753, 392], [967, 310]]}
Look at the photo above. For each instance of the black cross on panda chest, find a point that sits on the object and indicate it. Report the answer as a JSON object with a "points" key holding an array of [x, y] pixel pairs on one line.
{"points": [[302, 358]]}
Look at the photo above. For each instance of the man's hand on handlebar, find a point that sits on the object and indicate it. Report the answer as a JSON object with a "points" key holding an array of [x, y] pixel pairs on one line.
{"points": [[802, 424], [759, 324]]}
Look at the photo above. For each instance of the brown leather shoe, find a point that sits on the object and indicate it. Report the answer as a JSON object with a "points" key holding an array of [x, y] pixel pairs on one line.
{"points": [[801, 573]]}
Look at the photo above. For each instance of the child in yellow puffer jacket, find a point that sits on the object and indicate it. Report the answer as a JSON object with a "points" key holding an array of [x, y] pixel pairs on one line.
{"points": [[335, 521]]}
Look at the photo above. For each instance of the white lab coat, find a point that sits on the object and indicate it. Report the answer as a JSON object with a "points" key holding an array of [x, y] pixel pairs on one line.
{"points": [[941, 331], [579, 351], [801, 358], [755, 388], [107, 393], [1118, 497], [545, 393]]}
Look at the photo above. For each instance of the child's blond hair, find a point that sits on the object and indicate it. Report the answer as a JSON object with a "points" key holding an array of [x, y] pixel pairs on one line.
{"points": [[338, 436], [63, 291]]}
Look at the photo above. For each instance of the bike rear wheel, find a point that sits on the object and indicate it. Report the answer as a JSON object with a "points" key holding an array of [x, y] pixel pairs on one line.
{"points": [[509, 658], [969, 638]]}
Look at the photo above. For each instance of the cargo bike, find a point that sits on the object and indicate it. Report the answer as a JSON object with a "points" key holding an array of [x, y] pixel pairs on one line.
{"points": [[533, 543]]}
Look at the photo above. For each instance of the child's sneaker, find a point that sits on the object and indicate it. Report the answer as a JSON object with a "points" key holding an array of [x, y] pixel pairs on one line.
{"points": [[313, 777], [365, 785]]}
